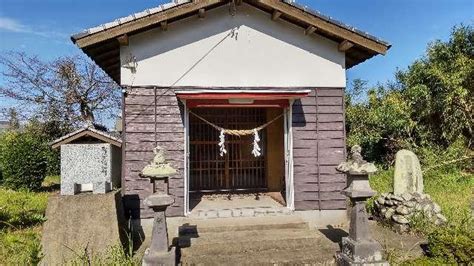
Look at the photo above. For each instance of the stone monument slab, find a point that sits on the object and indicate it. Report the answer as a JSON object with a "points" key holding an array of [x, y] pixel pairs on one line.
{"points": [[408, 177]]}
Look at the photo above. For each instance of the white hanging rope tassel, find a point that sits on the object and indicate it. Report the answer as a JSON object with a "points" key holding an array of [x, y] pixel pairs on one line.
{"points": [[256, 149], [222, 143]]}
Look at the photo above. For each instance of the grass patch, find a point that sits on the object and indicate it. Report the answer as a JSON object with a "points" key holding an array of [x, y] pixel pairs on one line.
{"points": [[452, 189], [21, 216], [21, 209], [51, 182], [20, 247]]}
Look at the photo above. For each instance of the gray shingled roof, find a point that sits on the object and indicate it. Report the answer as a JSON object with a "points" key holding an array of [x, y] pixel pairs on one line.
{"points": [[107, 135], [129, 18], [334, 21], [175, 3]]}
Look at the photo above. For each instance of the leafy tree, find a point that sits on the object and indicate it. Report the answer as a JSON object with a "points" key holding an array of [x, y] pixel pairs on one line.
{"points": [[439, 88], [428, 105], [381, 123], [13, 120]]}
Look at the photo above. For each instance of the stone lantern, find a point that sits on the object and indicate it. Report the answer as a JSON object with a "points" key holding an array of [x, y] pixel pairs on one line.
{"points": [[158, 172], [359, 248]]}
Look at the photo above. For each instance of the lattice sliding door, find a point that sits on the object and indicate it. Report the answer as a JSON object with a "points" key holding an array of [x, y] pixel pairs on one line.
{"points": [[238, 170]]}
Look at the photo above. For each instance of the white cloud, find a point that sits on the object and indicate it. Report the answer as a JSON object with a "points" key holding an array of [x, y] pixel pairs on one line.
{"points": [[13, 25], [9, 24]]}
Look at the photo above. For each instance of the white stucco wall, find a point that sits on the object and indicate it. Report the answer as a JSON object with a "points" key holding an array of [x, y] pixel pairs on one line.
{"points": [[245, 50]]}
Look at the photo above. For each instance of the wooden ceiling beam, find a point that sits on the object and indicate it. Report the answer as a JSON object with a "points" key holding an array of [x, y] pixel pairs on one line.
{"points": [[276, 14], [345, 45], [202, 13], [310, 30], [108, 54], [123, 40], [164, 25]]}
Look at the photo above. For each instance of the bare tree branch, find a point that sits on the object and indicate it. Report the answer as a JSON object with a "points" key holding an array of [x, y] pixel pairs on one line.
{"points": [[73, 85]]}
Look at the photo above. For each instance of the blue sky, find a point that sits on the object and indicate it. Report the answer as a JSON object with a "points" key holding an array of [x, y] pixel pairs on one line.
{"points": [[43, 27]]}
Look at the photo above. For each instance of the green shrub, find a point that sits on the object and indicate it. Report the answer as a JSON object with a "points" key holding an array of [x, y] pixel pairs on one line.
{"points": [[23, 157], [455, 244]]}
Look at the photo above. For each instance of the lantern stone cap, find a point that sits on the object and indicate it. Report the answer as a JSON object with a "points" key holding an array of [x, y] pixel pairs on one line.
{"points": [[358, 194], [158, 168], [356, 165], [157, 200]]}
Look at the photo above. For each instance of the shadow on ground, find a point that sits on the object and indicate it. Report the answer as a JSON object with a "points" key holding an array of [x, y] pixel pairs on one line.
{"points": [[334, 234]]}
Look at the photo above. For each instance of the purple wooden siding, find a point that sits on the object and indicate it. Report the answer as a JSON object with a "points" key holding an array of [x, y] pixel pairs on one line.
{"points": [[318, 147], [141, 105]]}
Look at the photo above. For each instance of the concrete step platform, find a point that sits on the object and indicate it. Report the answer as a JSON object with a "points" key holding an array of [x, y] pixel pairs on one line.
{"points": [[240, 212], [268, 257], [202, 229], [261, 241]]}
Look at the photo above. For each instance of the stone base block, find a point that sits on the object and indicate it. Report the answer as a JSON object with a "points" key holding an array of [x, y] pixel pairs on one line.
{"points": [[82, 223], [344, 260], [366, 252], [102, 187], [159, 258]]}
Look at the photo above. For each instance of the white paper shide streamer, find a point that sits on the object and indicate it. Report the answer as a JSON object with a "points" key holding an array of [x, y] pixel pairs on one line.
{"points": [[256, 149], [222, 143]]}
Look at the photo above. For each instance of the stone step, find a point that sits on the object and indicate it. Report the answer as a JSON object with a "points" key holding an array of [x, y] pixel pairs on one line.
{"points": [[242, 224], [239, 212], [307, 256], [242, 245], [237, 236]]}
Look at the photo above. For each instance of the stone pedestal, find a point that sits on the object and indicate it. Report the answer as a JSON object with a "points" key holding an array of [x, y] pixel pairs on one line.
{"points": [[159, 252], [359, 248]]}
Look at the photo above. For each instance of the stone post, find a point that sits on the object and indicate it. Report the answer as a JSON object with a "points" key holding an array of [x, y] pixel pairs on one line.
{"points": [[159, 252], [359, 248]]}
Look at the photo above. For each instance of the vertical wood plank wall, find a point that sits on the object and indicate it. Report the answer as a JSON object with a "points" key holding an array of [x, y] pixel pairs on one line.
{"points": [[318, 147], [317, 122], [140, 139]]}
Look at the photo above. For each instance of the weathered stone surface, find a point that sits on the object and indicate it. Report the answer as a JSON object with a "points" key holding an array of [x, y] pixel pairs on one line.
{"points": [[407, 196], [356, 164], [76, 222], [156, 200], [159, 167], [92, 166], [397, 198], [441, 218], [402, 210], [400, 219], [408, 176], [381, 201], [398, 213], [388, 214], [427, 207]]}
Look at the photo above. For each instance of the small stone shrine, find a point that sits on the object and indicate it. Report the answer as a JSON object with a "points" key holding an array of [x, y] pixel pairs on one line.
{"points": [[359, 248], [159, 171], [91, 160], [407, 199]]}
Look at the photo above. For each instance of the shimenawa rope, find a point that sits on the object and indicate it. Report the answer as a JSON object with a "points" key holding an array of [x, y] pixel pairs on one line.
{"points": [[238, 132]]}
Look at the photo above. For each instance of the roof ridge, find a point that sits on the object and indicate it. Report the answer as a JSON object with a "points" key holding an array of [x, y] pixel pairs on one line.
{"points": [[174, 3]]}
